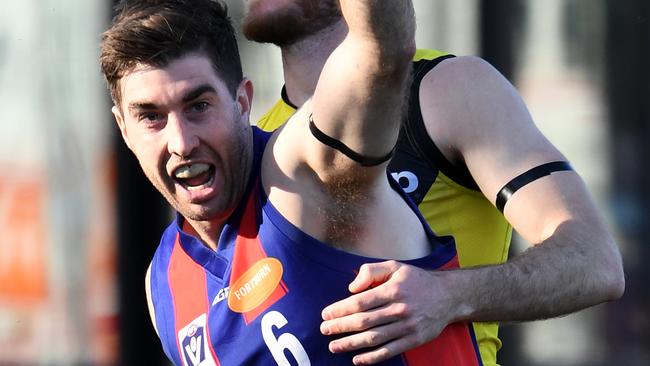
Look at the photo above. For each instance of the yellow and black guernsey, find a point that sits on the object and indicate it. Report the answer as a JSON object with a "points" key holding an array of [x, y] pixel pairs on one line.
{"points": [[447, 196]]}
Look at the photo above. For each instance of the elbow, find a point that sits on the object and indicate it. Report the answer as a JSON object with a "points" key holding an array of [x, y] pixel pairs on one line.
{"points": [[615, 282], [396, 61], [618, 289], [611, 277]]}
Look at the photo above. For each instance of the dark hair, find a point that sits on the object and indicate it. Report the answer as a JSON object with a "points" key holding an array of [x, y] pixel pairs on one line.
{"points": [[156, 32]]}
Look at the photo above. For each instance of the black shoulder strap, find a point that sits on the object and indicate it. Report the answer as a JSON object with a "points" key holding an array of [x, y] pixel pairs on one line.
{"points": [[419, 137]]}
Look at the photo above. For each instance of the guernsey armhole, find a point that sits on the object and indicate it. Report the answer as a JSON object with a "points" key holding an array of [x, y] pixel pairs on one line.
{"points": [[460, 187], [417, 131]]}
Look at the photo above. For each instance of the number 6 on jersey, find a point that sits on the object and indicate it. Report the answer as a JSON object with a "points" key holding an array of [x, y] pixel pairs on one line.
{"points": [[285, 341]]}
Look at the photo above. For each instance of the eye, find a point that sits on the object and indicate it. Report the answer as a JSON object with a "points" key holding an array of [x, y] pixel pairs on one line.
{"points": [[198, 107], [150, 117]]}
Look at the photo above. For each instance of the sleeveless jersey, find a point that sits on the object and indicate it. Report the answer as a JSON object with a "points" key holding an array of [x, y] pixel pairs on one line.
{"points": [[448, 198], [257, 300]]}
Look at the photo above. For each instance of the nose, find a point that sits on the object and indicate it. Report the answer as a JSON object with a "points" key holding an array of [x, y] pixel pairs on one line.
{"points": [[181, 137]]}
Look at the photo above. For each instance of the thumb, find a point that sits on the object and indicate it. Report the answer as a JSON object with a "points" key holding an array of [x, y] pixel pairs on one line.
{"points": [[372, 274]]}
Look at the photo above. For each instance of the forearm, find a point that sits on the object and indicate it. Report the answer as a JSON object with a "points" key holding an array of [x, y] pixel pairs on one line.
{"points": [[565, 273], [397, 307], [389, 25]]}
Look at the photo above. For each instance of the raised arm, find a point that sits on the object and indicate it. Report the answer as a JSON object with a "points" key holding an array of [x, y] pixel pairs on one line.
{"points": [[358, 96], [361, 89]]}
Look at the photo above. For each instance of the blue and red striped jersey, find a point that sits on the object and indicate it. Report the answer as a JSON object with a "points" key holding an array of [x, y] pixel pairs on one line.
{"points": [[257, 300]]}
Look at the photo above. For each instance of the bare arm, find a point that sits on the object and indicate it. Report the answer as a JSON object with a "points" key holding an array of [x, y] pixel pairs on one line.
{"points": [[574, 263], [361, 87], [482, 122]]}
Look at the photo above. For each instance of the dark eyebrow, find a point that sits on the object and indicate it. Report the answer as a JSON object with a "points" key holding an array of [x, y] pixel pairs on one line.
{"points": [[191, 95], [136, 107], [197, 92]]}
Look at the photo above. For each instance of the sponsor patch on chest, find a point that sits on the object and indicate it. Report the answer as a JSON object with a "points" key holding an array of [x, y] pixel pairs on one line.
{"points": [[255, 286]]}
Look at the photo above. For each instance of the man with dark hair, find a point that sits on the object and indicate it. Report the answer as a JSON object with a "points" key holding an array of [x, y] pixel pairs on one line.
{"points": [[129, 43], [467, 147], [269, 227]]}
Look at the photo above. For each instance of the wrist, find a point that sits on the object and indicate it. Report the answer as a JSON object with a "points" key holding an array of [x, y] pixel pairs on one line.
{"points": [[458, 294]]}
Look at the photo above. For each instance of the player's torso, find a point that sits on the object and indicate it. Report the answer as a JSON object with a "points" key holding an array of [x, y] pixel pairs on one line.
{"points": [[258, 300]]}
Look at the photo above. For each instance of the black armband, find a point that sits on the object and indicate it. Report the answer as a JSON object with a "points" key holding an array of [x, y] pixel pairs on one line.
{"points": [[531, 175], [344, 149]]}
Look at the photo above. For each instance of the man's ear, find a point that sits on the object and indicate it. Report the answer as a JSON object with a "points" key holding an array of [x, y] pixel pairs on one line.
{"points": [[121, 124], [244, 98]]}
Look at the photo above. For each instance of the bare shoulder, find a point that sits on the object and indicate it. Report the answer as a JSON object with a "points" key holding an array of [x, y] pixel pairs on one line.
{"points": [[461, 68], [467, 91], [453, 100], [477, 118]]}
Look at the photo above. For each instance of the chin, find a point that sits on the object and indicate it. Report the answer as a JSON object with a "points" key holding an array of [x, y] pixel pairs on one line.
{"points": [[271, 26], [198, 212]]}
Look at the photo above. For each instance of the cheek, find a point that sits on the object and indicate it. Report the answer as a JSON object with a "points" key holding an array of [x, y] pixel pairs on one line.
{"points": [[151, 155], [232, 145]]}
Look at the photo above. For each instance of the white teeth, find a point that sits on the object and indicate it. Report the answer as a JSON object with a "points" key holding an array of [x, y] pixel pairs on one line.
{"points": [[190, 171]]}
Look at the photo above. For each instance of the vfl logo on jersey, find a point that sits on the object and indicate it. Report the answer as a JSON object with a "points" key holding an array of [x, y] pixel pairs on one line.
{"points": [[407, 180], [256, 285], [194, 343]]}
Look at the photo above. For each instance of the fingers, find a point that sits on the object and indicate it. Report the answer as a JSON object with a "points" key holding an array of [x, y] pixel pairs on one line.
{"points": [[355, 304], [360, 321], [393, 338], [388, 316], [372, 274], [371, 337], [386, 351]]}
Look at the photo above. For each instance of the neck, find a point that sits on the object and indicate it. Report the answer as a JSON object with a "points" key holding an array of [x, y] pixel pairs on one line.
{"points": [[207, 231], [303, 61]]}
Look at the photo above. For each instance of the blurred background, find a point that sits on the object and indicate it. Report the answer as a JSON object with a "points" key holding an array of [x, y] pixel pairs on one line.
{"points": [[79, 223]]}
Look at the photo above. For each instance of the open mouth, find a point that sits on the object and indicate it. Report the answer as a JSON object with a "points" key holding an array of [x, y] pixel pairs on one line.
{"points": [[195, 176]]}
